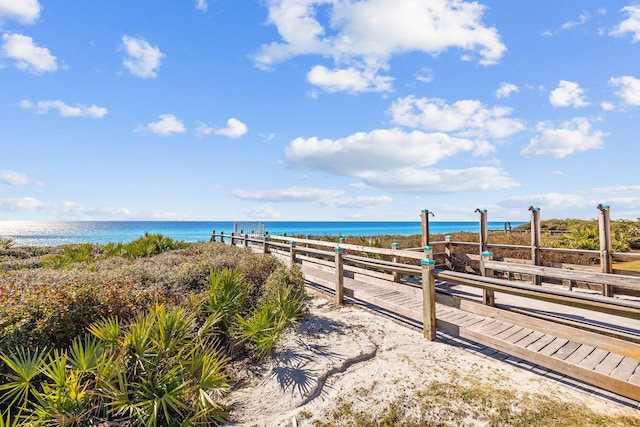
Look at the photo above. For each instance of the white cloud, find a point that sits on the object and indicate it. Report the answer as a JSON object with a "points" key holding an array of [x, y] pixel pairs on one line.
{"points": [[24, 11], [16, 178], [292, 194], [431, 181], [397, 161], [627, 88], [202, 5], [506, 89], [584, 17], [167, 125], [322, 196], [376, 150], [571, 137], [21, 204], [28, 56], [362, 36], [425, 76], [203, 130], [261, 212], [582, 205], [631, 24], [619, 190], [568, 94], [465, 117], [361, 202], [142, 60], [548, 201], [235, 129], [607, 106], [78, 110], [348, 80]]}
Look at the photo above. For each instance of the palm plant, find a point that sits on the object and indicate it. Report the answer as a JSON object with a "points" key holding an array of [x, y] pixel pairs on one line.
{"points": [[21, 382], [225, 295]]}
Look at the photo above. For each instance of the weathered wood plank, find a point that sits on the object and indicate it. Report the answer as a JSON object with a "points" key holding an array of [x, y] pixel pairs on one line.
{"points": [[524, 332], [580, 354], [541, 343], [473, 320], [629, 389], [609, 363], [566, 350], [498, 328], [508, 332], [553, 346], [626, 368], [530, 339], [592, 360]]}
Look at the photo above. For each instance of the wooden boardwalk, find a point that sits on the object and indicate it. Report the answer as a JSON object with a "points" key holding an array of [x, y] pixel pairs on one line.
{"points": [[600, 364]]}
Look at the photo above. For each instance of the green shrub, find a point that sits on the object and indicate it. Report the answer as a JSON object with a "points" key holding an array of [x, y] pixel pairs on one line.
{"points": [[161, 369], [53, 315], [282, 304], [83, 252]]}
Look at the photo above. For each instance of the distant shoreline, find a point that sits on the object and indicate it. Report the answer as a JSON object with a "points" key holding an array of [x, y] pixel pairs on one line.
{"points": [[55, 233]]}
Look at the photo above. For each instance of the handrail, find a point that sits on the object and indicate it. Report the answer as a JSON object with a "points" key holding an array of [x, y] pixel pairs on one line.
{"points": [[593, 302], [560, 273]]}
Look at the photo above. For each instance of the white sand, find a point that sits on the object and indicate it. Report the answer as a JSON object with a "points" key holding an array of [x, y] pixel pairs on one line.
{"points": [[352, 355]]}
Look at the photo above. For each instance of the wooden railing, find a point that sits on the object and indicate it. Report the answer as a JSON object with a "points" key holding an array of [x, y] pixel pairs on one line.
{"points": [[343, 259]]}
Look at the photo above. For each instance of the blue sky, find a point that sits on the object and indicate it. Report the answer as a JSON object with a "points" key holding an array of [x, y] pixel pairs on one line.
{"points": [[318, 109]]}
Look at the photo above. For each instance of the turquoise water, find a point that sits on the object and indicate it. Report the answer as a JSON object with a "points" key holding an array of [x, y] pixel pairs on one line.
{"points": [[39, 233]]}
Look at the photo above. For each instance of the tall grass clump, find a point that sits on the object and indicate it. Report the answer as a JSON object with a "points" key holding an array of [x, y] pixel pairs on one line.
{"points": [[282, 304]]}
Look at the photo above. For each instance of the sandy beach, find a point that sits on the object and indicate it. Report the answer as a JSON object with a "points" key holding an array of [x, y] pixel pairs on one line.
{"points": [[348, 357]]}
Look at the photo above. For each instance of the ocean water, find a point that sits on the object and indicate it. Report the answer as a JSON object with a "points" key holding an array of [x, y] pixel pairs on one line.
{"points": [[43, 233]]}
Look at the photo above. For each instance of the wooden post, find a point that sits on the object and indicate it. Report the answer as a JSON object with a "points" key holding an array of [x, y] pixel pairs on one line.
{"points": [[484, 231], [535, 241], [339, 275], [428, 252], [424, 216], [394, 247], [233, 241], [447, 251], [213, 236], [292, 253], [222, 236], [428, 299], [246, 241], [265, 244], [604, 223], [488, 297]]}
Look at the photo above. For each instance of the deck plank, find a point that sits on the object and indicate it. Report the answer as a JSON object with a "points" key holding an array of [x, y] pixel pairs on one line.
{"points": [[626, 368], [580, 354], [609, 363], [566, 350], [592, 360], [530, 339], [541, 343], [553, 346]]}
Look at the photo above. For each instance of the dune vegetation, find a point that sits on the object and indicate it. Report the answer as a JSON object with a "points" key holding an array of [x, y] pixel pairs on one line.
{"points": [[140, 333]]}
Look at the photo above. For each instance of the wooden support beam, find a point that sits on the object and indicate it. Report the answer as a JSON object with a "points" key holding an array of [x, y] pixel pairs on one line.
{"points": [[488, 296], [604, 223], [536, 238], [339, 275], [428, 299]]}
